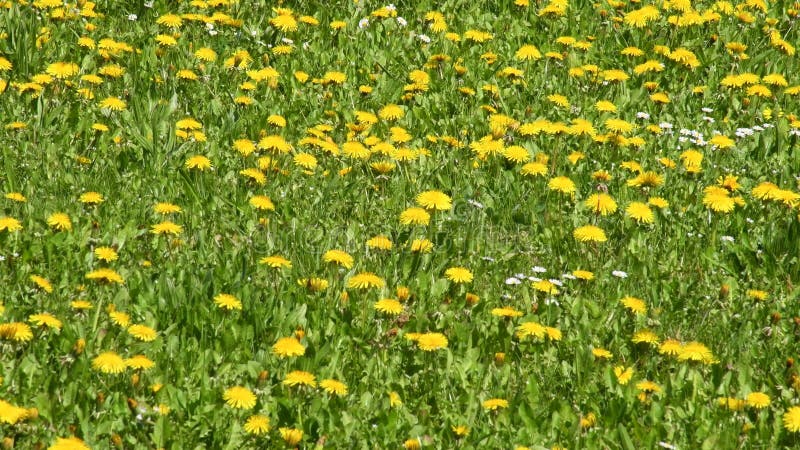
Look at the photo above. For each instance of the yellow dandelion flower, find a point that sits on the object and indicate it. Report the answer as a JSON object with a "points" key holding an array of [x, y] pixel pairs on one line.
{"points": [[239, 397], [721, 142], [334, 77], [670, 347], [139, 362], [562, 184], [618, 126], [733, 404], [516, 154], [62, 70], [394, 399], [695, 351], [553, 333], [546, 286], [275, 143], [284, 22], [421, 246], [228, 302], [292, 436], [601, 353], [434, 200], [494, 404], [257, 425], [300, 378], [186, 74], [766, 191], [276, 262], [70, 443], [12, 414], [42, 283], [639, 212], [120, 318], [338, 257], [431, 341], [587, 421], [16, 331], [106, 254], [164, 208], [288, 347], [206, 54], [574, 157], [559, 100], [391, 112], [16, 196], [313, 284], [188, 124], [244, 146], [365, 280], [589, 233], [45, 320], [243, 100], [605, 106], [5, 64], [403, 293], [506, 311], [166, 40], [758, 295], [666, 162], [646, 179], [109, 362], [660, 97], [167, 227], [60, 221], [262, 202], [105, 275], [757, 400], [623, 374], [305, 160], [719, 201], [354, 149], [632, 51], [170, 20], [334, 387], [380, 242], [528, 53], [791, 419], [645, 337], [602, 204], [775, 79], [635, 305], [383, 167], [583, 275], [389, 306], [254, 174], [531, 329], [460, 430], [412, 444], [113, 104], [658, 202], [143, 332], [198, 162], [415, 216], [534, 169], [10, 224], [81, 305], [459, 275]]}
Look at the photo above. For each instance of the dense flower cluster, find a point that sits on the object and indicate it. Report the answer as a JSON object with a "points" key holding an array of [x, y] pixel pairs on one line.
{"points": [[249, 224]]}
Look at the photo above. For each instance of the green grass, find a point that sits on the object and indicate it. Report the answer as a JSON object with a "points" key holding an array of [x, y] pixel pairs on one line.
{"points": [[692, 266]]}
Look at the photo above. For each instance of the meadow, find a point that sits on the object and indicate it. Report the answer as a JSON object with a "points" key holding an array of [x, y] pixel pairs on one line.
{"points": [[354, 225]]}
